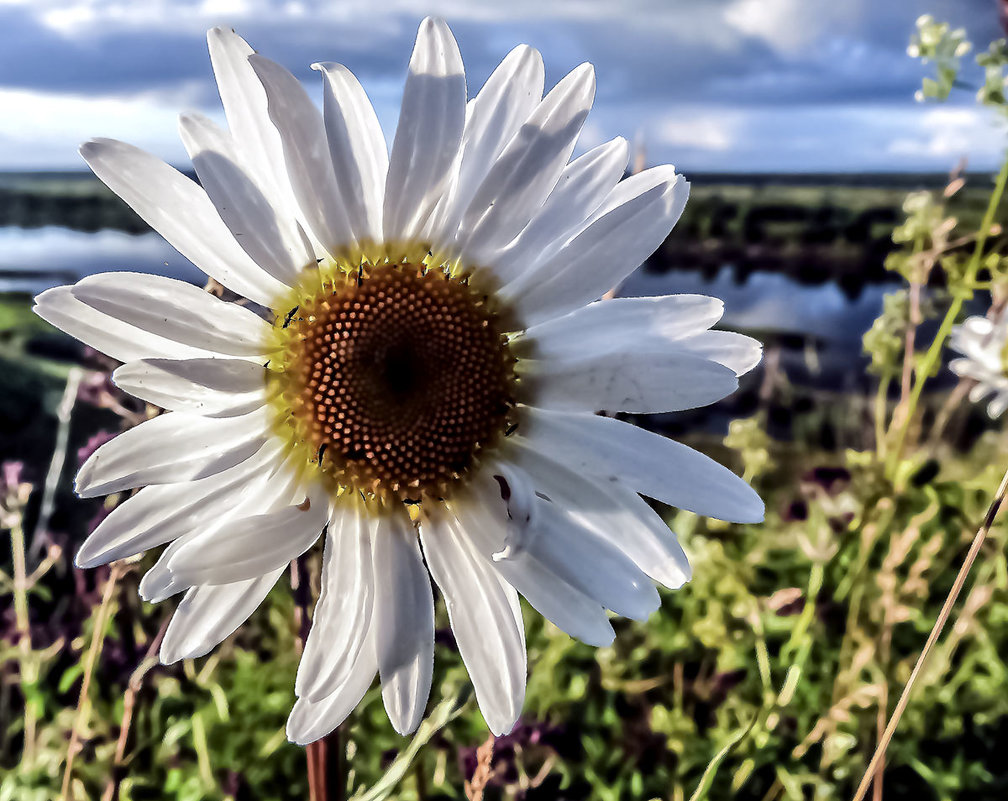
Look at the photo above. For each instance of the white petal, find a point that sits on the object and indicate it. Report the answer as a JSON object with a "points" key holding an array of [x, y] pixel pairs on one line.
{"points": [[403, 619], [979, 391], [606, 325], [252, 546], [265, 232], [997, 406], [631, 381], [160, 514], [582, 187], [969, 368], [177, 311], [169, 448], [312, 720], [592, 565], [261, 495], [245, 107], [342, 618], [482, 520], [104, 333], [429, 132], [208, 387], [507, 98], [158, 584], [485, 616], [735, 351], [653, 465], [611, 247], [209, 614], [306, 154], [613, 511], [179, 210], [357, 148], [527, 170]]}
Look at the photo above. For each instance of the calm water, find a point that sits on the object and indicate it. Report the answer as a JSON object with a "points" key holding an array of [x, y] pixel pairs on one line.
{"points": [[770, 305], [33, 259]]}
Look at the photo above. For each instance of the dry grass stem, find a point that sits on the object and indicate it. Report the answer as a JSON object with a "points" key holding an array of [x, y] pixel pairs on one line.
{"points": [[936, 631]]}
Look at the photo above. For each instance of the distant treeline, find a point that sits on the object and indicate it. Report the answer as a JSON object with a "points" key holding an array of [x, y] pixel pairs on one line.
{"points": [[813, 243], [813, 228], [82, 211]]}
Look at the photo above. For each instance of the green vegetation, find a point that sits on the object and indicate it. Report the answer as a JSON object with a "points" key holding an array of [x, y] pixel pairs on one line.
{"points": [[770, 676]]}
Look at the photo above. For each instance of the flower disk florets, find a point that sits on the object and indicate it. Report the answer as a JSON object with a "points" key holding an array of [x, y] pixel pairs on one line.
{"points": [[393, 377]]}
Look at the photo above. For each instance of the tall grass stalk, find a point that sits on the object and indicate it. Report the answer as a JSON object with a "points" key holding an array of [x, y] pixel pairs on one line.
{"points": [[101, 619], [936, 630]]}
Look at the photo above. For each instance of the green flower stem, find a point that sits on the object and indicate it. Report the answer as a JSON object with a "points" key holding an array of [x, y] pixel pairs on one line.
{"points": [[930, 359]]}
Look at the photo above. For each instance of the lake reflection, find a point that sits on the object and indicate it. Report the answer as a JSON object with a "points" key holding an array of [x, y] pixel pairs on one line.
{"points": [[33, 259], [767, 304]]}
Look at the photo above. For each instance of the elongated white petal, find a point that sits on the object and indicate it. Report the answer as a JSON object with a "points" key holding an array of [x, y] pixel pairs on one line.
{"points": [[482, 520], [252, 546], [342, 618], [158, 583], [615, 512], [262, 494], [170, 448], [509, 95], [179, 210], [631, 381], [527, 169], [485, 616], [611, 247], [306, 154], [582, 187], [653, 465], [264, 231], [209, 387], [161, 514], [428, 135], [175, 310], [357, 149], [105, 333], [653, 321], [735, 351], [311, 720], [590, 564], [209, 614], [403, 623], [245, 107]]}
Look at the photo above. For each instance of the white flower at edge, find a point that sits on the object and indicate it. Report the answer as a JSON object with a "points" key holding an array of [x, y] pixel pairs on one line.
{"points": [[422, 389], [983, 344]]}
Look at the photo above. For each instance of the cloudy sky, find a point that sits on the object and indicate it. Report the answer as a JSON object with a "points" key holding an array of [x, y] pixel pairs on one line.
{"points": [[710, 85]]}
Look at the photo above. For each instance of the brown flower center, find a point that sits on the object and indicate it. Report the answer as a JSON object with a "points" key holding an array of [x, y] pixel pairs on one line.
{"points": [[396, 378]]}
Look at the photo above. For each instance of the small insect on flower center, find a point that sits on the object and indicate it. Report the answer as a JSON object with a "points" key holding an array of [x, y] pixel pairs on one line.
{"points": [[393, 378]]}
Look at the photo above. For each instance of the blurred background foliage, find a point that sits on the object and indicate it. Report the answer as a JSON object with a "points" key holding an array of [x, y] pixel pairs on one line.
{"points": [[769, 676]]}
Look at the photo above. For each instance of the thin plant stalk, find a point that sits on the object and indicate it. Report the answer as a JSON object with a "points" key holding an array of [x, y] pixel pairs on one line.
{"points": [[930, 359], [129, 706], [84, 703], [28, 668], [63, 414], [326, 772], [936, 630]]}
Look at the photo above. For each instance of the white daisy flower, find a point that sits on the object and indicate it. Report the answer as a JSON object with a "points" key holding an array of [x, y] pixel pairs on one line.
{"points": [[983, 343], [422, 388]]}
